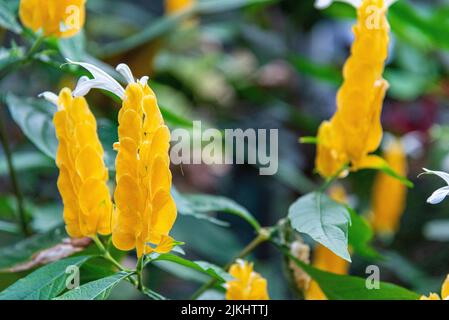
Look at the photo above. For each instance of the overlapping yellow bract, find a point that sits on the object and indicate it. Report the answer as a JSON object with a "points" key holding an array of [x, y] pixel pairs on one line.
{"points": [[83, 176], [355, 129], [60, 18], [247, 285], [145, 208], [174, 6], [444, 292], [389, 194], [323, 258]]}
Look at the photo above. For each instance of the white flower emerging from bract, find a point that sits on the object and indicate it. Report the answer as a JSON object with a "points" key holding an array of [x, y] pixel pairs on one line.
{"points": [[441, 193], [102, 80], [50, 97], [323, 4]]}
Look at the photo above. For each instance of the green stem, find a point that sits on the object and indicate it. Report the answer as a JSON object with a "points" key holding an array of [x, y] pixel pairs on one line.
{"points": [[14, 180], [330, 180], [139, 270], [263, 236], [106, 255]]}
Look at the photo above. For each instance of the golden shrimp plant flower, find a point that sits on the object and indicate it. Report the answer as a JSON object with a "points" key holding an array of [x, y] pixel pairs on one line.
{"points": [[389, 194], [83, 175], [60, 18], [444, 292], [145, 208], [247, 284], [355, 130]]}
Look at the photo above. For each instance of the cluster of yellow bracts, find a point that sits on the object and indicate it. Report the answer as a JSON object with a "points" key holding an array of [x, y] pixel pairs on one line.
{"points": [[144, 210], [355, 129]]}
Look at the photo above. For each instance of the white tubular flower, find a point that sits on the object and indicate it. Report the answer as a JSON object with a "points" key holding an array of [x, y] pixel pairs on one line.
{"points": [[50, 97], [101, 80], [323, 4], [440, 193]]}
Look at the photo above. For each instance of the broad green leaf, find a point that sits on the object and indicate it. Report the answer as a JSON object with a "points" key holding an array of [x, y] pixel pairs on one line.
{"points": [[26, 160], [8, 19], [360, 235], [324, 220], [200, 266], [44, 283], [343, 287], [95, 290], [35, 118], [23, 250], [195, 204]]}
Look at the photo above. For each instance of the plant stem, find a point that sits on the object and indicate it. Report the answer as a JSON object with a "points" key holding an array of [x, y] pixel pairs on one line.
{"points": [[263, 236], [14, 180], [106, 255], [139, 269]]}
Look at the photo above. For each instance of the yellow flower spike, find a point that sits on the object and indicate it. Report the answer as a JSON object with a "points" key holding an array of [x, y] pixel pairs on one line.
{"points": [[323, 258], [389, 194], [247, 285], [60, 18], [83, 176], [355, 129], [175, 6], [444, 292], [145, 209]]}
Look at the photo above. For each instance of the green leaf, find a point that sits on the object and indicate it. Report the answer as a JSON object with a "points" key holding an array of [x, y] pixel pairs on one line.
{"points": [[8, 19], [44, 283], [324, 220], [26, 160], [200, 266], [35, 118], [342, 287], [23, 250], [195, 204], [95, 290], [385, 168], [325, 73], [360, 235]]}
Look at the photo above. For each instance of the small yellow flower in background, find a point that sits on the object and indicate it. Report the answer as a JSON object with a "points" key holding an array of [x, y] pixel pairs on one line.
{"points": [[323, 258], [83, 176], [389, 194], [175, 6], [60, 18], [145, 209], [444, 292], [247, 285], [355, 130]]}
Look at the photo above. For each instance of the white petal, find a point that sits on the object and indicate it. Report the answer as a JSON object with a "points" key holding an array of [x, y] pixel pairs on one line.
{"points": [[144, 80], [101, 80], [441, 174], [323, 4], [438, 195], [125, 71], [50, 97]]}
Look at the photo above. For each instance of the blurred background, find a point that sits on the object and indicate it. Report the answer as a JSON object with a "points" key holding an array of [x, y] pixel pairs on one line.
{"points": [[265, 64]]}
